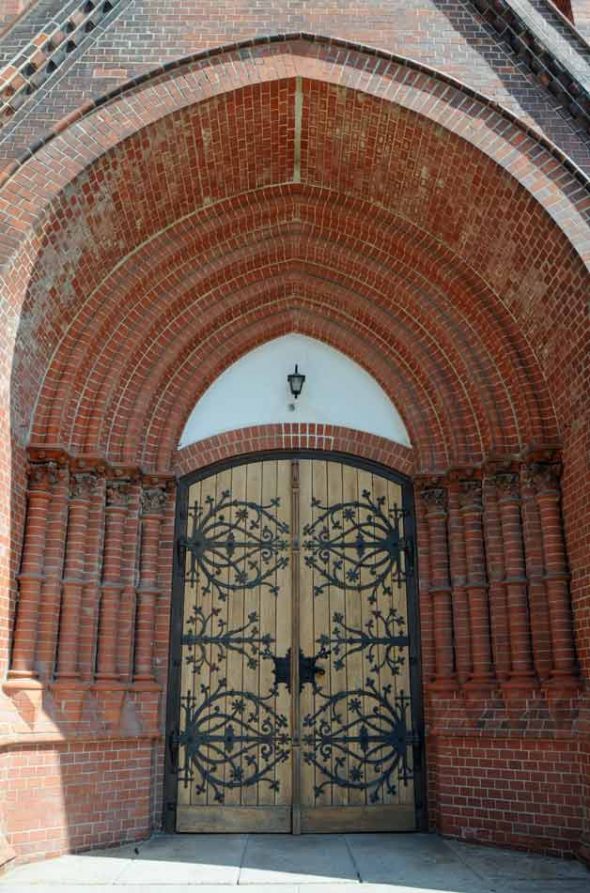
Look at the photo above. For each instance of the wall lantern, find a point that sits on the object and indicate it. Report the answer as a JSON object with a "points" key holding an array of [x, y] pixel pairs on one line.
{"points": [[296, 380]]}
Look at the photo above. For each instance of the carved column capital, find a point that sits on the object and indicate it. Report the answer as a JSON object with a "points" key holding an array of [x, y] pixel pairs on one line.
{"points": [[542, 477], [83, 485], [153, 500], [118, 494], [470, 495], [434, 498], [43, 476], [507, 484]]}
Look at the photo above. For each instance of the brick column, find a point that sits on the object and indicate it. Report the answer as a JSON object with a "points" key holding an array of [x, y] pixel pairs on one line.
{"points": [[564, 672], [82, 491], [129, 576], [522, 675], [42, 479], [496, 574], [426, 610], [459, 584], [51, 591], [535, 568], [482, 676], [435, 499], [115, 517], [153, 502], [88, 636]]}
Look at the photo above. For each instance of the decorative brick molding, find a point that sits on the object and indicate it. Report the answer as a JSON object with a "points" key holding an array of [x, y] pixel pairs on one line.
{"points": [[293, 437], [407, 261], [491, 638], [530, 47], [82, 678], [47, 51]]}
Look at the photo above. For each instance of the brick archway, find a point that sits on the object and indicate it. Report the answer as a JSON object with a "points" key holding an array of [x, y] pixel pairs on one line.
{"points": [[314, 187]]}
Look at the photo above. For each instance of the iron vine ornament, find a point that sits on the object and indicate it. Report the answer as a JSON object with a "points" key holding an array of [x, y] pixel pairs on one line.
{"points": [[357, 545], [381, 639], [359, 739], [211, 631], [235, 544], [235, 746], [356, 739]]}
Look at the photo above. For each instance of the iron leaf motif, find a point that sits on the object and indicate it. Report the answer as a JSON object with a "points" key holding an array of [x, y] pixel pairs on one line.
{"points": [[231, 739], [356, 545], [382, 641], [359, 740], [235, 544], [206, 630]]}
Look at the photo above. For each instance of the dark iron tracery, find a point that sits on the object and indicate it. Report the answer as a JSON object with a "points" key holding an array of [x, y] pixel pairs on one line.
{"points": [[231, 747], [360, 739], [209, 640], [235, 544], [357, 545]]}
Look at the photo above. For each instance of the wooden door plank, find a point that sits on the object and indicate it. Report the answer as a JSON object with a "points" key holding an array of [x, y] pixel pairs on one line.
{"points": [[306, 624], [252, 606], [354, 663], [232, 666], [282, 605], [234, 819], [207, 599], [184, 789], [335, 598], [357, 819], [406, 793]]}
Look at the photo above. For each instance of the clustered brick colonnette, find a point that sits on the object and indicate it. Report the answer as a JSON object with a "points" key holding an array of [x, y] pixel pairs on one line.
{"points": [[310, 186]]}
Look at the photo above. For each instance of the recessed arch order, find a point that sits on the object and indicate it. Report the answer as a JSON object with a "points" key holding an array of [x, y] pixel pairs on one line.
{"points": [[192, 218], [299, 188]]}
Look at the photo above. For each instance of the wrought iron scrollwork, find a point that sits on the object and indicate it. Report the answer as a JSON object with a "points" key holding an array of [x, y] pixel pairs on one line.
{"points": [[210, 631], [359, 739], [225, 747], [357, 545], [235, 544], [381, 641]]}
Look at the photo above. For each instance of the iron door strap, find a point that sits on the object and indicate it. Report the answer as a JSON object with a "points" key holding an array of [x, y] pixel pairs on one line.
{"points": [[308, 669]]}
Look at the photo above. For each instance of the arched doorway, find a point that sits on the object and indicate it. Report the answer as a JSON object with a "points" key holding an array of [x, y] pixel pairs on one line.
{"points": [[411, 267], [294, 690]]}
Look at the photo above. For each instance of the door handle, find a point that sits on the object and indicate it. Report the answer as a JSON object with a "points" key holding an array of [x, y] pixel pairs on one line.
{"points": [[308, 669]]}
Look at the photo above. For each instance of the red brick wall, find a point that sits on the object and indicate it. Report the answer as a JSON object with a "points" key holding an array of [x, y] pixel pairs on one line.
{"points": [[77, 795], [447, 257], [450, 36], [510, 792], [10, 10]]}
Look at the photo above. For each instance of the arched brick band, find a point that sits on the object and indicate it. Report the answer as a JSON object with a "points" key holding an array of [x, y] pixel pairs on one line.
{"points": [[124, 311]]}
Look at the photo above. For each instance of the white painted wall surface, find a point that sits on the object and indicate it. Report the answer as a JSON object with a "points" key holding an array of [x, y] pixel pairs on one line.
{"points": [[254, 391]]}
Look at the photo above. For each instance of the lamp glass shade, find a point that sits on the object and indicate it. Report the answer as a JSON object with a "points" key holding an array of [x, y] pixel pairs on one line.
{"points": [[296, 380]]}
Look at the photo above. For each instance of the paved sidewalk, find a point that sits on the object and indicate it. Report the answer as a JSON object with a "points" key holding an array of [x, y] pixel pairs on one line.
{"points": [[335, 863]]}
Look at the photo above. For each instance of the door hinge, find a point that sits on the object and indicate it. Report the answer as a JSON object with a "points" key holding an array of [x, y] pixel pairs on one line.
{"points": [[173, 742], [407, 547]]}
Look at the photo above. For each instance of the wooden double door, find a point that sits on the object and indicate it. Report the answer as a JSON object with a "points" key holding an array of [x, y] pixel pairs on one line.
{"points": [[293, 688]]}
